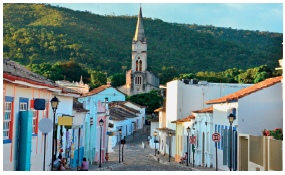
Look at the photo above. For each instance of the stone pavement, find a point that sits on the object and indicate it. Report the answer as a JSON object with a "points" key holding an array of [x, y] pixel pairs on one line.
{"points": [[137, 158]]}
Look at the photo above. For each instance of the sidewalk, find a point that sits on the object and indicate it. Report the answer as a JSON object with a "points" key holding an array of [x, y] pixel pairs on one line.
{"points": [[165, 160]]}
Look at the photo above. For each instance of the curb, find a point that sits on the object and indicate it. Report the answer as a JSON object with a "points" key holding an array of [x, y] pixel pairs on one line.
{"points": [[177, 166]]}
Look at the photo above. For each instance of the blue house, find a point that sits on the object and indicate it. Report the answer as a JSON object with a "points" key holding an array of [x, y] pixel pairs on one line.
{"points": [[95, 101]]}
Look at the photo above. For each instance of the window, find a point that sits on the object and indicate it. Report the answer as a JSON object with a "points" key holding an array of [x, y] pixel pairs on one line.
{"points": [[140, 65], [208, 141], [35, 117], [197, 139], [7, 121], [46, 110], [136, 80], [23, 106], [137, 65]]}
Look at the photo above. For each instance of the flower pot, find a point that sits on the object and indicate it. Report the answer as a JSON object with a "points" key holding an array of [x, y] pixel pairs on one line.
{"points": [[107, 156]]}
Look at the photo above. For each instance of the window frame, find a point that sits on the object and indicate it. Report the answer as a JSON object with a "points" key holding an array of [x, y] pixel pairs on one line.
{"points": [[8, 139], [35, 123]]}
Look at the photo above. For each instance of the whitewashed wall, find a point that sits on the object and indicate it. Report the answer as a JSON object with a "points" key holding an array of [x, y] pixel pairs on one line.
{"points": [[261, 110]]}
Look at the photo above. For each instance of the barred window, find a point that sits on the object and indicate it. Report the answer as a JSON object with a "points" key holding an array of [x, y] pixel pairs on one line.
{"points": [[7, 121], [35, 115], [23, 106]]}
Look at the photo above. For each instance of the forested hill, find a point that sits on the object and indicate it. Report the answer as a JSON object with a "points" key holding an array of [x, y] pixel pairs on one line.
{"points": [[37, 33]]}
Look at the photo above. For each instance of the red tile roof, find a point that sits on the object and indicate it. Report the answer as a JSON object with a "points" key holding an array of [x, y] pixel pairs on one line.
{"points": [[96, 90], [186, 119], [205, 110], [160, 109], [165, 129], [246, 91]]}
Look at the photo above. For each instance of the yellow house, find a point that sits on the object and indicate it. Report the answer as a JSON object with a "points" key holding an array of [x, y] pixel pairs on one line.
{"points": [[181, 136]]}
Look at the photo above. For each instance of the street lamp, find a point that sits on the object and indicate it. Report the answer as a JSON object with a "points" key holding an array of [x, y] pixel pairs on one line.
{"points": [[101, 123], [54, 104], [188, 131], [231, 120], [120, 132], [155, 133], [169, 145]]}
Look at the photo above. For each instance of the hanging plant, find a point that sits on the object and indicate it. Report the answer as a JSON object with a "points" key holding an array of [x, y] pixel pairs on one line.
{"points": [[277, 133]]}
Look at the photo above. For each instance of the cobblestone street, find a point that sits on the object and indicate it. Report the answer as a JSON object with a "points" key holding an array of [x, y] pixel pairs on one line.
{"points": [[137, 158]]}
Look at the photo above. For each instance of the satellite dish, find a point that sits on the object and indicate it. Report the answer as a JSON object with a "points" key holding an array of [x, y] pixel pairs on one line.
{"points": [[45, 125]]}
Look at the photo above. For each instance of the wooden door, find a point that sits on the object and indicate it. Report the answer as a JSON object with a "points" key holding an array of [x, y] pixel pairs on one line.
{"points": [[244, 154]]}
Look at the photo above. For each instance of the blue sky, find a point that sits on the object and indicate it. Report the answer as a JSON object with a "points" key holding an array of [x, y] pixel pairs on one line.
{"points": [[247, 16]]}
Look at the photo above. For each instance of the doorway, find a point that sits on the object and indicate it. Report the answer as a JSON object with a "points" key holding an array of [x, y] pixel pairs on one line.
{"points": [[244, 154], [203, 150]]}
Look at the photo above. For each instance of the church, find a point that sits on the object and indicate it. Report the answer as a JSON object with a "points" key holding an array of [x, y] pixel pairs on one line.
{"points": [[139, 79]]}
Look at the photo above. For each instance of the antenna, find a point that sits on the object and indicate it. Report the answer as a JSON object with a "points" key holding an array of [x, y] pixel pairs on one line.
{"points": [[140, 5]]}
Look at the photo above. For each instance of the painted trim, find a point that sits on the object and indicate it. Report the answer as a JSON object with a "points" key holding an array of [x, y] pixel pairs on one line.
{"points": [[34, 134], [222, 102], [9, 99], [7, 141], [12, 124]]}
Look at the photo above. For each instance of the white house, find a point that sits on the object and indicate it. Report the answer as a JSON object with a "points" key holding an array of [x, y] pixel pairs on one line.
{"points": [[186, 97], [256, 108]]}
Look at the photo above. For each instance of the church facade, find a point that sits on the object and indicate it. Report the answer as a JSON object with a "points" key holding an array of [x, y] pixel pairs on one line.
{"points": [[139, 79]]}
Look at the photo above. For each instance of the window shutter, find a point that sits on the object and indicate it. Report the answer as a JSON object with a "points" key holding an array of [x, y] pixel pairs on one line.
{"points": [[229, 133], [234, 150], [225, 146]]}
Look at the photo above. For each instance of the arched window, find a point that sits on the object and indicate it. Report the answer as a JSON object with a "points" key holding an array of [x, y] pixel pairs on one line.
{"points": [[140, 80], [136, 80], [140, 65], [137, 65]]}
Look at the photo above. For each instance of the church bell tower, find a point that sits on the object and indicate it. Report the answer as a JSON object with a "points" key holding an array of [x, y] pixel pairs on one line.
{"points": [[139, 57]]}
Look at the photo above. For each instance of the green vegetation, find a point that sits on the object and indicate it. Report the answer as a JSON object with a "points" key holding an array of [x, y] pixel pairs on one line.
{"points": [[40, 33], [151, 100], [250, 76], [118, 79], [70, 71]]}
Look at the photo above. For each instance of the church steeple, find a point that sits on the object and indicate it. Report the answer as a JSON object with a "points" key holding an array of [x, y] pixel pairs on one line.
{"points": [[139, 35]]}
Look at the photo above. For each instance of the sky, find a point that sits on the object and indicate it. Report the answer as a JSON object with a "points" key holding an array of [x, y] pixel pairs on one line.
{"points": [[246, 16]]}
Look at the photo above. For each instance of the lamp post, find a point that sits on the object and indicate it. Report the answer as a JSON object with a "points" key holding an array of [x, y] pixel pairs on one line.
{"points": [[188, 131], [169, 145], [101, 123], [155, 133], [120, 131], [54, 104], [231, 120]]}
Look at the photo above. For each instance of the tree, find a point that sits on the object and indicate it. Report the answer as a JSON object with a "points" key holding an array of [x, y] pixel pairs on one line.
{"points": [[118, 79], [151, 100], [167, 74], [97, 79]]}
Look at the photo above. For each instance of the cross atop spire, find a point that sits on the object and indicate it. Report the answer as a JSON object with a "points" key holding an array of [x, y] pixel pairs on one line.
{"points": [[139, 35]]}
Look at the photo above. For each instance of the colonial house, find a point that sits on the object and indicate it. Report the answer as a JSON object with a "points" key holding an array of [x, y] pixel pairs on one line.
{"points": [[23, 142], [76, 86], [187, 96], [95, 101], [255, 108]]}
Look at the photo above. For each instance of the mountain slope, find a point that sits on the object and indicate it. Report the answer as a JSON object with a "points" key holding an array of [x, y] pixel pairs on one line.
{"points": [[36, 33]]}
